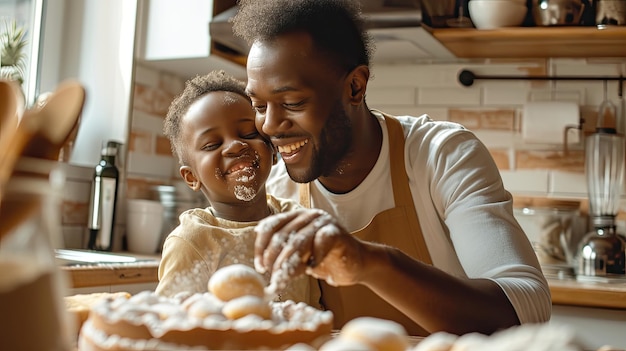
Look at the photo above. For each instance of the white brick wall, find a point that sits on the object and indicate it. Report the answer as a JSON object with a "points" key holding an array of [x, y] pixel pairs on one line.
{"points": [[415, 89]]}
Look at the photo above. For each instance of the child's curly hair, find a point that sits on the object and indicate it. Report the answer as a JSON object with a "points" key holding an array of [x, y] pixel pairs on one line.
{"points": [[195, 88], [336, 26]]}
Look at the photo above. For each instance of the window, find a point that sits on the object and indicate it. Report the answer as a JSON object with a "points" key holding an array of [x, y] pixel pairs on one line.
{"points": [[27, 15]]}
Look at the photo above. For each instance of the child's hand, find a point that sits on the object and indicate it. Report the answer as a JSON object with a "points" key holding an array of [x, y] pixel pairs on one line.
{"points": [[307, 240]]}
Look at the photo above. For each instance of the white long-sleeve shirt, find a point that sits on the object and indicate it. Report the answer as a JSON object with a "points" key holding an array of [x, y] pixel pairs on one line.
{"points": [[465, 213]]}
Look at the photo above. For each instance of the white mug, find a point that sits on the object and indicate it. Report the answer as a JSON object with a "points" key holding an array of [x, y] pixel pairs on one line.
{"points": [[144, 222]]}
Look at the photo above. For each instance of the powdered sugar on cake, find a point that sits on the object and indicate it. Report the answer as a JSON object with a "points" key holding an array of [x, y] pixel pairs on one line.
{"points": [[161, 315]]}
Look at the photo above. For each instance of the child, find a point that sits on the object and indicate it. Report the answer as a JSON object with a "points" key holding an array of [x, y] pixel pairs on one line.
{"points": [[212, 132]]}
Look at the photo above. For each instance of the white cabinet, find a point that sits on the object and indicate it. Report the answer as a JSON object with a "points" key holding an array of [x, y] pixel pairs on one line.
{"points": [[173, 36], [173, 29], [594, 326]]}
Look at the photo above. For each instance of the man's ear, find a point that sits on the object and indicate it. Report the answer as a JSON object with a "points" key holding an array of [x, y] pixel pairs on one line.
{"points": [[190, 178], [357, 80]]}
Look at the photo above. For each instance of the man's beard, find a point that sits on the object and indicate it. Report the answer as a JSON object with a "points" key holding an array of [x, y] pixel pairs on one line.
{"points": [[334, 142]]}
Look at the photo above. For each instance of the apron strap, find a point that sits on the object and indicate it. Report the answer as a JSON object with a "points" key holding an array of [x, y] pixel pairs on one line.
{"points": [[401, 190], [305, 194], [400, 182]]}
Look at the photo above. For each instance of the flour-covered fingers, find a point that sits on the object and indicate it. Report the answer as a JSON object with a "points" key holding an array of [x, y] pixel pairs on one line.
{"points": [[273, 233], [336, 255], [297, 253], [268, 230]]}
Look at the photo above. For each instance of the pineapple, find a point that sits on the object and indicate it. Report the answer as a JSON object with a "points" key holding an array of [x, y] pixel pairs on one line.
{"points": [[12, 56]]}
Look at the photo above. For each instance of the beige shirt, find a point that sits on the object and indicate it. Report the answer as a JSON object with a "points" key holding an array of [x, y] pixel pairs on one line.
{"points": [[203, 243]]}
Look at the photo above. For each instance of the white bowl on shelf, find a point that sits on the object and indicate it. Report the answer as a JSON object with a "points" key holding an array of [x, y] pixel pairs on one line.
{"points": [[492, 14]]}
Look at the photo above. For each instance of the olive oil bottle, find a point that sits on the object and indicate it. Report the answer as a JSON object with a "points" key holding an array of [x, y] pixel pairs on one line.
{"points": [[103, 199]]}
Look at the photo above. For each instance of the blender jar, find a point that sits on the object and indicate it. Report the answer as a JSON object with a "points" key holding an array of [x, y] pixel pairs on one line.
{"points": [[602, 251]]}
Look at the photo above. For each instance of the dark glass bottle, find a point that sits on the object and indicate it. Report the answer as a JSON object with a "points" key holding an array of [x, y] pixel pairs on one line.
{"points": [[103, 200]]}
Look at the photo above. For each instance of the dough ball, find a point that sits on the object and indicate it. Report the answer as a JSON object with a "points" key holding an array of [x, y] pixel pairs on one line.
{"points": [[345, 344], [469, 342], [246, 305], [235, 281], [301, 347], [440, 341], [380, 334], [206, 305]]}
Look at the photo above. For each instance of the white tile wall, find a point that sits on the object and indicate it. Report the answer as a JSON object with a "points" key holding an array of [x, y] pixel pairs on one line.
{"points": [[428, 96], [437, 90], [509, 93], [147, 76], [391, 96], [526, 182], [146, 122], [150, 165], [567, 184]]}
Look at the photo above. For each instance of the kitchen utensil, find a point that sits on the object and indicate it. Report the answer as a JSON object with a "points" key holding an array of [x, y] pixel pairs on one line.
{"points": [[8, 111], [554, 230], [460, 21], [438, 12], [557, 12], [40, 133], [9, 117], [61, 112], [492, 14], [611, 12], [176, 199], [602, 252]]}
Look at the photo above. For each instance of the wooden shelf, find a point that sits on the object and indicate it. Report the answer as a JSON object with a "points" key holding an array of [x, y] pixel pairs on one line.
{"points": [[534, 42]]}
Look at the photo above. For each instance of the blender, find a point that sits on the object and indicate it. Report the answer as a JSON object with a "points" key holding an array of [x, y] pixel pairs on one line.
{"points": [[602, 251]]}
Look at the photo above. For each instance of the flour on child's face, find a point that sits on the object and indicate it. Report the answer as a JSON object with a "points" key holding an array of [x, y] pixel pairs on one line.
{"points": [[246, 188], [245, 185]]}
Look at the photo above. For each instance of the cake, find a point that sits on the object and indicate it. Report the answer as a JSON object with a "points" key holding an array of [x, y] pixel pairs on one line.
{"points": [[79, 305], [219, 319]]}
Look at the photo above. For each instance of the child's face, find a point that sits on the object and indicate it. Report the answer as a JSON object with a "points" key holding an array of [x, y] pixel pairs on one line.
{"points": [[227, 157]]}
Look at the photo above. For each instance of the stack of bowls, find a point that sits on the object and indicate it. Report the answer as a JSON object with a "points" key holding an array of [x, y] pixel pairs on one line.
{"points": [[176, 199], [492, 14]]}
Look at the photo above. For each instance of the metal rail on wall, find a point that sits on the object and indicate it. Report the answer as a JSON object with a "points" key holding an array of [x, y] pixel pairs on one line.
{"points": [[467, 78]]}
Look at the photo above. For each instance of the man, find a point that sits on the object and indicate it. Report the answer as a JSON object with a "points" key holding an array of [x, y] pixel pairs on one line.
{"points": [[416, 224]]}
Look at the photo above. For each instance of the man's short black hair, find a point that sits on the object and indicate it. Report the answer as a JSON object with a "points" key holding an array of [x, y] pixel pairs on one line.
{"points": [[336, 26]]}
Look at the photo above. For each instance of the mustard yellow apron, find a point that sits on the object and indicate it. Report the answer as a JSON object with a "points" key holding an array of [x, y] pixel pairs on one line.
{"points": [[398, 227]]}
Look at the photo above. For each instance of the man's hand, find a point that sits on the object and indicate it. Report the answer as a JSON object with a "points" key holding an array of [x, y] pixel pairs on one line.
{"points": [[307, 241]]}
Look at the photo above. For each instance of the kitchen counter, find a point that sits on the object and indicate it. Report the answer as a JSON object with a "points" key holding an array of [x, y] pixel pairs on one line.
{"points": [[567, 292], [81, 276], [143, 269], [570, 292]]}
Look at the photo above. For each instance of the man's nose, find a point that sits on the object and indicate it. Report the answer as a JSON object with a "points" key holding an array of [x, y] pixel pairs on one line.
{"points": [[273, 122]]}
